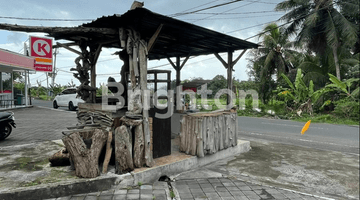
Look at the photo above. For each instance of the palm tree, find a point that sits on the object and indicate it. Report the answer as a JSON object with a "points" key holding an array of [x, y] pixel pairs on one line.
{"points": [[321, 25], [273, 58]]}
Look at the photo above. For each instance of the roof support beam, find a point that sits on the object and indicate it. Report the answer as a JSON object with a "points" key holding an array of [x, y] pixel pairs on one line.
{"points": [[66, 44], [178, 66], [229, 65], [221, 60], [68, 48], [238, 58], [153, 39]]}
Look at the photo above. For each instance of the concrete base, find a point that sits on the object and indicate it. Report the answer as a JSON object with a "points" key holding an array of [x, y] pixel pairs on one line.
{"points": [[153, 174], [111, 180]]}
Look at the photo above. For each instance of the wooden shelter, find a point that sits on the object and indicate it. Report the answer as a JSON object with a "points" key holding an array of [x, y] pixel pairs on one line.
{"points": [[142, 35]]}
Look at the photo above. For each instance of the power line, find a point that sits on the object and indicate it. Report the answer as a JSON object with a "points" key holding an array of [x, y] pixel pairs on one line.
{"points": [[236, 17], [237, 13], [44, 19], [197, 6], [224, 11], [211, 7]]}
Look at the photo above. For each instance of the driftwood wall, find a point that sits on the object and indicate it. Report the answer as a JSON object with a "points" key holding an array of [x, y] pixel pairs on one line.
{"points": [[208, 133]]}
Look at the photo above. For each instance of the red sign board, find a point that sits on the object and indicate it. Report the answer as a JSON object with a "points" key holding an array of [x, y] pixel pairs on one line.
{"points": [[41, 49]]}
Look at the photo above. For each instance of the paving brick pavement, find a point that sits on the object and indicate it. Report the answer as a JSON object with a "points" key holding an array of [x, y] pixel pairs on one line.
{"points": [[196, 189], [39, 124]]}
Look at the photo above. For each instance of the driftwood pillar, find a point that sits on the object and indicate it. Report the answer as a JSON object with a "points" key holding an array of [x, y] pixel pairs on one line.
{"points": [[230, 67], [123, 150], [85, 148]]}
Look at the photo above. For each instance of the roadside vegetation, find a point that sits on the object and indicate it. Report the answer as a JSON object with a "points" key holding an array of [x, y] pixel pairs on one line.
{"points": [[309, 68]]}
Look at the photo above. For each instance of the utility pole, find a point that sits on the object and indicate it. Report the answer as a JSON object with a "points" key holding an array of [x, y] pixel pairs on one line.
{"points": [[54, 73], [26, 77]]}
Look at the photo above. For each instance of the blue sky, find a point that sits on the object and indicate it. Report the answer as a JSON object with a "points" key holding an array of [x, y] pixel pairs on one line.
{"points": [[225, 19]]}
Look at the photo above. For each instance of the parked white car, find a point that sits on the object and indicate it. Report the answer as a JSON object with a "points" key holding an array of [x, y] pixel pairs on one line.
{"points": [[67, 98]]}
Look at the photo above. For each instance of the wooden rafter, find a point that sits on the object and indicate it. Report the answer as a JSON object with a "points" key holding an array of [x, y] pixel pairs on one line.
{"points": [[153, 39]]}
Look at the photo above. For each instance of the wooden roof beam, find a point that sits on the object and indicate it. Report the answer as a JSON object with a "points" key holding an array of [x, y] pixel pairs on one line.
{"points": [[153, 39], [58, 30]]}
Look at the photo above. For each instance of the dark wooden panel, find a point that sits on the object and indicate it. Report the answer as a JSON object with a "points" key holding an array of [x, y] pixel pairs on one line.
{"points": [[161, 133]]}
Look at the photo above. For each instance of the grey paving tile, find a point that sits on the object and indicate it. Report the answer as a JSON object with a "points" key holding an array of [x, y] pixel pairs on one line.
{"points": [[205, 185], [94, 194], [160, 197], [195, 190], [209, 189], [237, 193], [146, 187], [244, 188], [221, 189], [198, 195], [122, 192], [194, 186], [107, 192], [241, 198], [133, 196], [228, 184], [248, 193], [279, 196], [146, 191], [63, 198], [146, 196], [91, 198], [228, 198], [217, 184], [107, 197], [233, 188], [77, 198], [134, 191], [162, 191], [185, 195], [224, 194], [213, 180], [211, 194], [120, 197]]}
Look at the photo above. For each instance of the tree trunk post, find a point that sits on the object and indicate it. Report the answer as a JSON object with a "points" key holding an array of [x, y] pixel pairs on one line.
{"points": [[229, 80]]}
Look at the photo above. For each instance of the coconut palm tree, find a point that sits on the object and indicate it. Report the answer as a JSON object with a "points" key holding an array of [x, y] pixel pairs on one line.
{"points": [[321, 25], [273, 58]]}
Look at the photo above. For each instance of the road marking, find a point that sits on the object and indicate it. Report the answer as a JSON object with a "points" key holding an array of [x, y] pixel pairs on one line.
{"points": [[290, 125], [329, 143]]}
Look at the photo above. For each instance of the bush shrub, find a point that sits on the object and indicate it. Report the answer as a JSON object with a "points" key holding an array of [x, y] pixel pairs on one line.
{"points": [[347, 109]]}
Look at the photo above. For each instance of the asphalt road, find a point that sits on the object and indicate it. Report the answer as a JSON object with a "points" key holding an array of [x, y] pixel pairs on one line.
{"points": [[47, 104], [340, 138]]}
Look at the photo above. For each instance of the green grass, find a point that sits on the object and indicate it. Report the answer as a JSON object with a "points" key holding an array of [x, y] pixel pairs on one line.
{"points": [[172, 194], [326, 118]]}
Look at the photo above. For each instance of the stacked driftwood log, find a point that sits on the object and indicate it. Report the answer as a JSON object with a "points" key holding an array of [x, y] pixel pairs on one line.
{"points": [[208, 133], [130, 133]]}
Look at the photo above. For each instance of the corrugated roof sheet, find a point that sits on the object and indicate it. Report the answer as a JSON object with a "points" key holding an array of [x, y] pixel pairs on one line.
{"points": [[177, 38]]}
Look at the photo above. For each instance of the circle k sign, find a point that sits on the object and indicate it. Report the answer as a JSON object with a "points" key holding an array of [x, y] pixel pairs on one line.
{"points": [[41, 49]]}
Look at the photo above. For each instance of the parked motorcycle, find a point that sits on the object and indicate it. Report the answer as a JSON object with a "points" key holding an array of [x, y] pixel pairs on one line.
{"points": [[7, 121]]}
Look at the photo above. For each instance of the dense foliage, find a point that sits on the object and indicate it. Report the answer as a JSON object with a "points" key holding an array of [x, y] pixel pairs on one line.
{"points": [[310, 66]]}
